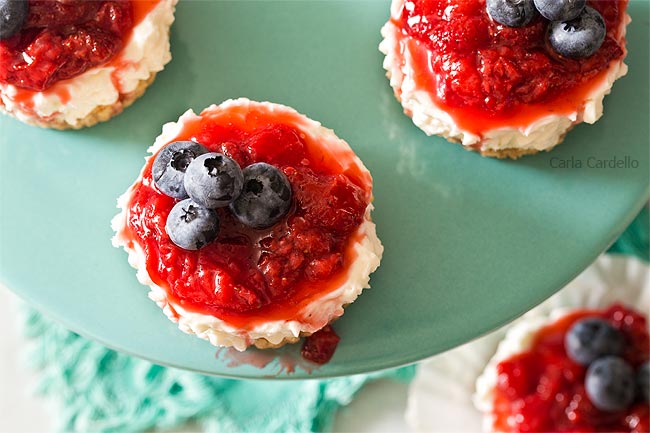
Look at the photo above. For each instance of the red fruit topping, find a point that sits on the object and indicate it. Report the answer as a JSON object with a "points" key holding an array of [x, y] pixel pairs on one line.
{"points": [[634, 327], [542, 389], [277, 143], [62, 39], [333, 201], [320, 347], [246, 273], [482, 66]]}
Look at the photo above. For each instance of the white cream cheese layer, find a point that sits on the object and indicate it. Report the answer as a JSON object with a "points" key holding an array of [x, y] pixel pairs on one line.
{"points": [[542, 134], [317, 313], [147, 51]]}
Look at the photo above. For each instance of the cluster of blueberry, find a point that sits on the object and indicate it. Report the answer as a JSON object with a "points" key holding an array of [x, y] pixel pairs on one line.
{"points": [[13, 14], [258, 196], [610, 383], [575, 29]]}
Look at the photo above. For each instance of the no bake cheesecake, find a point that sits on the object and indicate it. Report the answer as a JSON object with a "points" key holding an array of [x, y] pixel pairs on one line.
{"points": [[499, 77], [281, 236], [73, 63]]}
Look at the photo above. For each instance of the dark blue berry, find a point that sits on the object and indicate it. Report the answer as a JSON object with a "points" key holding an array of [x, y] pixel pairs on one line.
{"points": [[170, 164], [191, 226], [592, 338], [265, 198], [560, 10], [213, 180], [13, 14], [610, 384], [511, 13], [643, 382], [580, 37]]}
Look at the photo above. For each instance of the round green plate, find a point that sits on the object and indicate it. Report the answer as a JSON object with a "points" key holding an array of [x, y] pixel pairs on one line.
{"points": [[471, 242]]}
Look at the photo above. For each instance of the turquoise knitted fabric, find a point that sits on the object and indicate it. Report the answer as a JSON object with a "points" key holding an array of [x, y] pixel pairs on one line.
{"points": [[635, 241], [99, 390]]}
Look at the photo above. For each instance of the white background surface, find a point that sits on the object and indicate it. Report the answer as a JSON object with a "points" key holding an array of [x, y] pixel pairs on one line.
{"points": [[379, 407]]}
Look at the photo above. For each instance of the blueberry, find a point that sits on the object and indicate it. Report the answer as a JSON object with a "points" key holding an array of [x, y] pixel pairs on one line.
{"points": [[610, 384], [168, 169], [643, 382], [560, 10], [265, 198], [213, 180], [580, 37], [13, 14], [191, 226], [511, 13], [591, 338]]}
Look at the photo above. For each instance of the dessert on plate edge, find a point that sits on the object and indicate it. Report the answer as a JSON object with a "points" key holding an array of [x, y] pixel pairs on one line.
{"points": [[500, 77], [71, 64]]}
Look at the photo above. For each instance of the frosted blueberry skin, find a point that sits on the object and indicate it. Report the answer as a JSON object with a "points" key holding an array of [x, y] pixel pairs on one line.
{"points": [[191, 226], [265, 198], [511, 13], [13, 14], [591, 338], [213, 180], [610, 384], [643, 382], [560, 10], [580, 37], [170, 164]]}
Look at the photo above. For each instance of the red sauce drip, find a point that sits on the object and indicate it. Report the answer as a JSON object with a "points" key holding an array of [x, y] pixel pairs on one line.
{"points": [[483, 73], [320, 346], [542, 390], [63, 39], [249, 276]]}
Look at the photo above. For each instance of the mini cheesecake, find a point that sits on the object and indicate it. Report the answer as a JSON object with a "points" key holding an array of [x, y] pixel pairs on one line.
{"points": [[74, 63], [534, 384], [261, 286], [498, 90]]}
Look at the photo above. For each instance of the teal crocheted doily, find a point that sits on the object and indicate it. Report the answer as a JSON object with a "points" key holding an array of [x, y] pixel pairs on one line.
{"points": [[635, 241], [99, 390]]}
